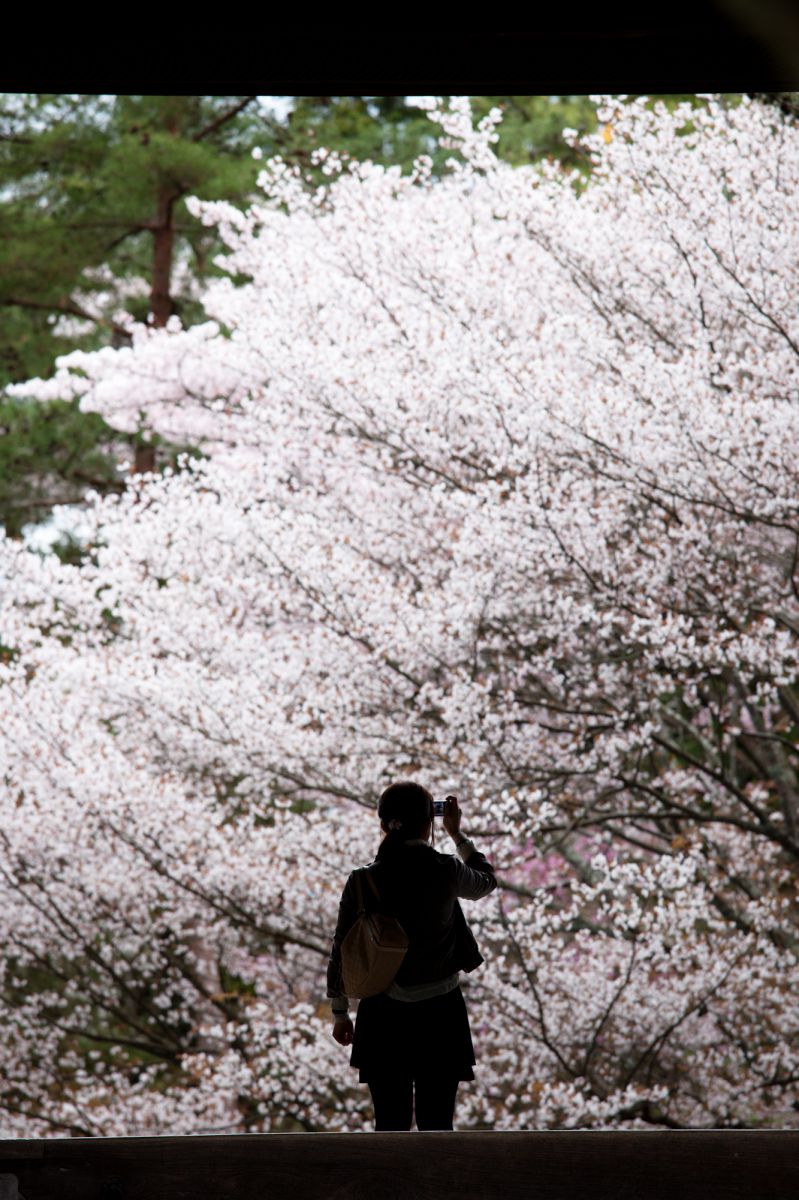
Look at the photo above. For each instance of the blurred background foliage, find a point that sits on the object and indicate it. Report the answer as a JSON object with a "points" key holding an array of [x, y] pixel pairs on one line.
{"points": [[94, 228]]}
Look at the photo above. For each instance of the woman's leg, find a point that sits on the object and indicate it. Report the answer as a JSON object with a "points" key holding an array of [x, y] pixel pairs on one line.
{"points": [[435, 1101], [392, 1096]]}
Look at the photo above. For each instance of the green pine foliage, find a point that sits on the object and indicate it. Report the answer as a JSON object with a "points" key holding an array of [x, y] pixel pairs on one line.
{"points": [[51, 454], [93, 214]]}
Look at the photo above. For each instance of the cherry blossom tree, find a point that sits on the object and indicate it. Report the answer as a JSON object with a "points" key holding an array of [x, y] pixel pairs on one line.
{"points": [[500, 492]]}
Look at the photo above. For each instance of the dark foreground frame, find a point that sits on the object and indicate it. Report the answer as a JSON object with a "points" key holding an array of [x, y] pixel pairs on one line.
{"points": [[697, 1164]]}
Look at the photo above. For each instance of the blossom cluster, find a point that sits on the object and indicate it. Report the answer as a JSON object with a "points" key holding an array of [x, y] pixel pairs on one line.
{"points": [[499, 492]]}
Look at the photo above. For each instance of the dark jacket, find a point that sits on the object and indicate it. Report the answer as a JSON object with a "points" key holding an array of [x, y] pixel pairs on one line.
{"points": [[420, 887]]}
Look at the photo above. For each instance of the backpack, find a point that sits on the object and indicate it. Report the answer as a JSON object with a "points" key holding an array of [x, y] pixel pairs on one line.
{"points": [[373, 948]]}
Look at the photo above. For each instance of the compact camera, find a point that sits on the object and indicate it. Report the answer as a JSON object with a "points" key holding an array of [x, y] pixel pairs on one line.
{"points": [[438, 807]]}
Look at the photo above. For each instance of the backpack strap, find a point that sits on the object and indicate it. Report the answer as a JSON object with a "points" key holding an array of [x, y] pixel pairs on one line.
{"points": [[359, 887], [371, 878]]}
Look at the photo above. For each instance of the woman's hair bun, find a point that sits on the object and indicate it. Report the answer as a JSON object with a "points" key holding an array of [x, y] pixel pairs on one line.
{"points": [[405, 808]]}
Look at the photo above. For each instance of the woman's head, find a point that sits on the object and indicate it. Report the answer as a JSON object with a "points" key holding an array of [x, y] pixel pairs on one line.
{"points": [[406, 811]]}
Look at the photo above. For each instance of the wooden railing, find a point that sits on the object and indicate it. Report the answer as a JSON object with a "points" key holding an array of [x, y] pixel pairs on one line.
{"points": [[697, 1164]]}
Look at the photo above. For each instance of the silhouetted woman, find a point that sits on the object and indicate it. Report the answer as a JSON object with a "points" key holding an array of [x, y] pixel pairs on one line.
{"points": [[417, 1030]]}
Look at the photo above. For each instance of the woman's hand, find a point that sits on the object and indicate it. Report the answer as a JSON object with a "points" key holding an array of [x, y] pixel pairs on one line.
{"points": [[452, 817], [342, 1031]]}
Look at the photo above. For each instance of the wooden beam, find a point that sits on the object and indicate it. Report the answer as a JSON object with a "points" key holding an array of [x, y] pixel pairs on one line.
{"points": [[683, 46], [696, 1164]]}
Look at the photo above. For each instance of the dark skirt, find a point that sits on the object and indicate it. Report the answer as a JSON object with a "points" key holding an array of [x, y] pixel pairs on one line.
{"points": [[413, 1037]]}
